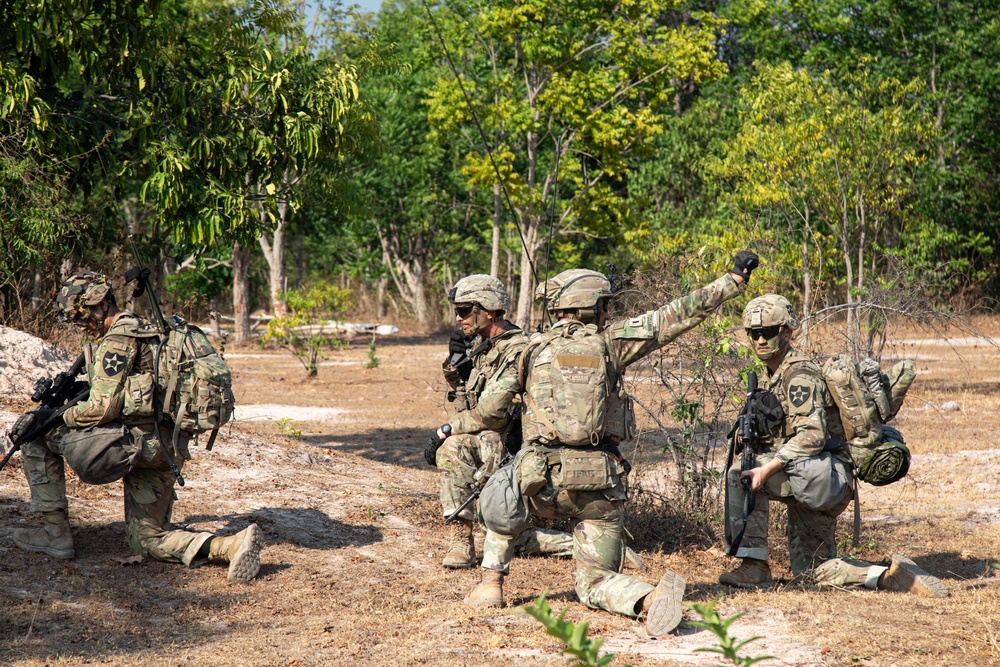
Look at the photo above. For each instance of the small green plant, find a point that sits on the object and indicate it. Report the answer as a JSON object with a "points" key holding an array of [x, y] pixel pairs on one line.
{"points": [[728, 646], [572, 635], [306, 331], [285, 425], [372, 359]]}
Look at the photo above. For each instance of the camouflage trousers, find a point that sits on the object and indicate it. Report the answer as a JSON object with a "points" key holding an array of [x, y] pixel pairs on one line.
{"points": [[598, 546], [459, 458], [107, 453], [848, 573], [811, 533]]}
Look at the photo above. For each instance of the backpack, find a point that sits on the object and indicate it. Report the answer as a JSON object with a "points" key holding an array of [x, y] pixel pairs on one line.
{"points": [[568, 388], [196, 384], [865, 398]]}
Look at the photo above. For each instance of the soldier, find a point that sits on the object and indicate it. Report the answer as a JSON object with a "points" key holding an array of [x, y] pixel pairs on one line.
{"points": [[576, 414], [110, 435], [807, 468], [483, 392]]}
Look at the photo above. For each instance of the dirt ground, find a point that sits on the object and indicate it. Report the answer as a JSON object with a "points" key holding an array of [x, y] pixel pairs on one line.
{"points": [[332, 471]]}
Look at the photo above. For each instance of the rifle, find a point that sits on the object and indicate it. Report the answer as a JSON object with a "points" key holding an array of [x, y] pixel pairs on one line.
{"points": [[140, 274], [480, 481], [748, 429], [59, 394]]}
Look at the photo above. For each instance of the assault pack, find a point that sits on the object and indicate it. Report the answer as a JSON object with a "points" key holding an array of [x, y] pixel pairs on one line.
{"points": [[575, 398], [197, 383], [865, 399]]}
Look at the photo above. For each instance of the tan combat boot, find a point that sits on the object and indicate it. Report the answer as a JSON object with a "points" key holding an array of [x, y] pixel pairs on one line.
{"points": [[489, 591], [241, 551], [662, 605], [752, 573], [905, 576], [462, 548], [52, 538]]}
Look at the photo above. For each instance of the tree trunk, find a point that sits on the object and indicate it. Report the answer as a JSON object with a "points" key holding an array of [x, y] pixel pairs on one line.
{"points": [[497, 220], [241, 293], [529, 251], [274, 253]]}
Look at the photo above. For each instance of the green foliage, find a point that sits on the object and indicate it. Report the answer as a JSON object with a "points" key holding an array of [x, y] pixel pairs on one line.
{"points": [[287, 428], [308, 330], [573, 636], [372, 359], [728, 647]]}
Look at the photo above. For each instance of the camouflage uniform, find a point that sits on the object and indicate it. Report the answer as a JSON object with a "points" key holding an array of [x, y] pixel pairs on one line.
{"points": [[597, 536], [814, 479], [799, 386], [110, 436], [485, 404]]}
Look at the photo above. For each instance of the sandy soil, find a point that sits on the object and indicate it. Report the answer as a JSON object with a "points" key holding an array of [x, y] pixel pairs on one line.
{"points": [[332, 471]]}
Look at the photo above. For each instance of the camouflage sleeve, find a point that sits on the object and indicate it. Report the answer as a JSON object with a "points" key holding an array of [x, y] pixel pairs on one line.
{"points": [[113, 358], [635, 338], [805, 418], [492, 411]]}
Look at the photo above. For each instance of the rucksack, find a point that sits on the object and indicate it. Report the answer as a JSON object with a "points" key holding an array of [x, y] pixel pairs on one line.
{"points": [[195, 382], [568, 386], [865, 399]]}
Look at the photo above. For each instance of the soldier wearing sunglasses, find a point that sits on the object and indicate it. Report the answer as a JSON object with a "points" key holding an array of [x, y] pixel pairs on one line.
{"points": [[483, 394], [802, 464]]}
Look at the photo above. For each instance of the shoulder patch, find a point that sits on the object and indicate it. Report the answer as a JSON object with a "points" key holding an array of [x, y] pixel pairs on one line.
{"points": [[113, 363], [799, 393]]}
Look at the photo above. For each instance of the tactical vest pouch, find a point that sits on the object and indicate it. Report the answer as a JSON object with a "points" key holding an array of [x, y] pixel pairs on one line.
{"points": [[619, 418], [585, 470], [138, 396]]}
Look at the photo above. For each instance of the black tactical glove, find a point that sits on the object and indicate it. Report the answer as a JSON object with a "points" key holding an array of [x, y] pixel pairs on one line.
{"points": [[29, 420], [458, 358], [745, 262], [458, 344], [432, 446]]}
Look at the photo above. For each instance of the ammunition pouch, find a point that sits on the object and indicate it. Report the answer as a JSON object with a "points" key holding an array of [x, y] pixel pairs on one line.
{"points": [[585, 470]]}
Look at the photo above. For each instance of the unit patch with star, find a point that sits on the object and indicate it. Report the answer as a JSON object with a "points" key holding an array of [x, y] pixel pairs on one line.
{"points": [[799, 394], [113, 363]]}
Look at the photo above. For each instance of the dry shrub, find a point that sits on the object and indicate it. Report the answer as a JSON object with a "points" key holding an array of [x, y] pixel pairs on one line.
{"points": [[687, 395]]}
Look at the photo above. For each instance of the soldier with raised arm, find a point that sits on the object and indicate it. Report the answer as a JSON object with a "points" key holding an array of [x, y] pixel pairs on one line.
{"points": [[576, 414]]}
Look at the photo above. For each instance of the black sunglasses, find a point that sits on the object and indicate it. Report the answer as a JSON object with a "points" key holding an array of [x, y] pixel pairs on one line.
{"points": [[464, 311], [766, 333]]}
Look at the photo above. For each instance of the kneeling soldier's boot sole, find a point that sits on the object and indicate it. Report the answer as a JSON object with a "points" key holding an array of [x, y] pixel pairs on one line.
{"points": [[906, 576], [245, 563], [665, 613]]}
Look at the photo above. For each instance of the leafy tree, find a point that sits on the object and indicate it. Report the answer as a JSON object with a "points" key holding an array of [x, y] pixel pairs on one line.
{"points": [[571, 92], [828, 161]]}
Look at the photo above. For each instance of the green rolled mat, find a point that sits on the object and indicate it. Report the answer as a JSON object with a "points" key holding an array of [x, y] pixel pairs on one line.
{"points": [[887, 463]]}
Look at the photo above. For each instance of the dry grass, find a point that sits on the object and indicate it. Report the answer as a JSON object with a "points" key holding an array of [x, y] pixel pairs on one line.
{"points": [[352, 570]]}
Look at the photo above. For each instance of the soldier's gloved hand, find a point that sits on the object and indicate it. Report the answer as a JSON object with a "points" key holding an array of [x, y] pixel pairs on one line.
{"points": [[22, 425], [28, 420], [432, 446], [745, 262], [457, 344]]}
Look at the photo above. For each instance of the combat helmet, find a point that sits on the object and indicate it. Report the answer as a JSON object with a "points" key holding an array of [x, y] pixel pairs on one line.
{"points": [[79, 291], [769, 310], [574, 289], [482, 289]]}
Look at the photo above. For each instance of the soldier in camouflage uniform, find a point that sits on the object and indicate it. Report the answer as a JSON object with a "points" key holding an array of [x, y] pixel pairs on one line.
{"points": [[579, 298], [485, 413], [109, 436], [805, 466]]}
